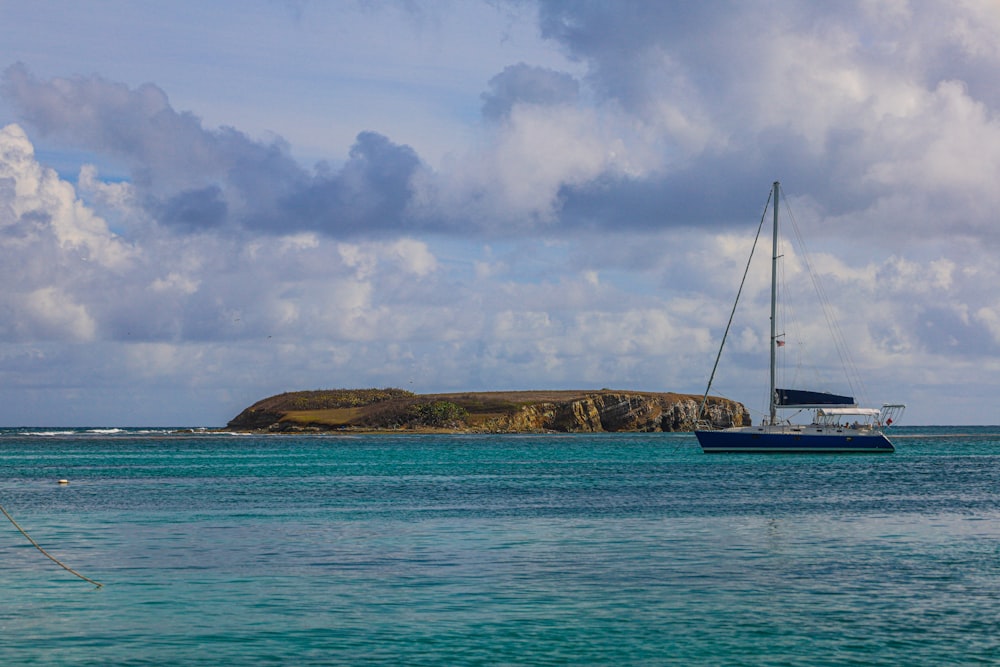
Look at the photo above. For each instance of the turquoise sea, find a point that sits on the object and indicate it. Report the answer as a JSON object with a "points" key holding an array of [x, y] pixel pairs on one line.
{"points": [[612, 549]]}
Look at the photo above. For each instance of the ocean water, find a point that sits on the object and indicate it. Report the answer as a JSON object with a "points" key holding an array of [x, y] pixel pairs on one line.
{"points": [[607, 549]]}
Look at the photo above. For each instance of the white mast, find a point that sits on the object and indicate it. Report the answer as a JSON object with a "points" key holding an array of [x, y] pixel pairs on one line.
{"points": [[774, 300]]}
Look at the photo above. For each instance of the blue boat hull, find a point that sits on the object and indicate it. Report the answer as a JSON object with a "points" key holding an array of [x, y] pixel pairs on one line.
{"points": [[792, 442]]}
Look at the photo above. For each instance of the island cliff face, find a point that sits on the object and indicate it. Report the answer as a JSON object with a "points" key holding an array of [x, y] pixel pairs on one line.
{"points": [[493, 412], [620, 411]]}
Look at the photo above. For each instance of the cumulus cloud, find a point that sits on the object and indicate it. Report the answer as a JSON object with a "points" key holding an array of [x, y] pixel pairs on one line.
{"points": [[370, 193], [37, 202], [70, 277], [193, 178], [524, 84], [55, 250], [685, 114], [205, 312], [858, 117]]}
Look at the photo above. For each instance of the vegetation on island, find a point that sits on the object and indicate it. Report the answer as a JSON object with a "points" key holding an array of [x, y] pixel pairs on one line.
{"points": [[511, 411]]}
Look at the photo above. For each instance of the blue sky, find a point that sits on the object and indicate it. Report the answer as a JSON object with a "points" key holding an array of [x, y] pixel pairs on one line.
{"points": [[202, 204]]}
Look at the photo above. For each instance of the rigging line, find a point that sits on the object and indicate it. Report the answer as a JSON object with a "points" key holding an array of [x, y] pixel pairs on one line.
{"points": [[732, 313], [840, 344], [824, 301], [791, 360], [792, 368], [46, 553], [839, 340]]}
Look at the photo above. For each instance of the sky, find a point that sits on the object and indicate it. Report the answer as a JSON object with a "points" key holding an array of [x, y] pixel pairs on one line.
{"points": [[204, 204]]}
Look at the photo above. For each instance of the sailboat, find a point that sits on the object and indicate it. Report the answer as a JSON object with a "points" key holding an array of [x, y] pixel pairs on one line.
{"points": [[838, 423]]}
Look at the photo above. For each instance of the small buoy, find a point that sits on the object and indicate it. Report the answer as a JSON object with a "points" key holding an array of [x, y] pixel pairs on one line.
{"points": [[64, 481]]}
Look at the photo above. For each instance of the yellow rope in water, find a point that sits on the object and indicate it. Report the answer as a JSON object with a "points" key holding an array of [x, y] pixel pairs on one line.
{"points": [[46, 553]]}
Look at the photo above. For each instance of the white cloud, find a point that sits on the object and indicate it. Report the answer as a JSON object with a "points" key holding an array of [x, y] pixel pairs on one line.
{"points": [[949, 144], [41, 200], [413, 256], [175, 282], [990, 316], [54, 314], [975, 28]]}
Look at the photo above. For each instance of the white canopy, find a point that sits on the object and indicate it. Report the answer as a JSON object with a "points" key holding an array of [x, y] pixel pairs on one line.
{"points": [[857, 412]]}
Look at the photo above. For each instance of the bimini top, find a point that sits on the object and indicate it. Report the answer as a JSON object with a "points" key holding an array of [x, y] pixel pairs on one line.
{"points": [[800, 398], [850, 412]]}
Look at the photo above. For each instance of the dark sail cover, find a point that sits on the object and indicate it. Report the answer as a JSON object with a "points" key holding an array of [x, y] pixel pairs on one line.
{"points": [[803, 398]]}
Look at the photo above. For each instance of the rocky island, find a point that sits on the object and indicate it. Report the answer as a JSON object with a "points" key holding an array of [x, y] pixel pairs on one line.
{"points": [[567, 411]]}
